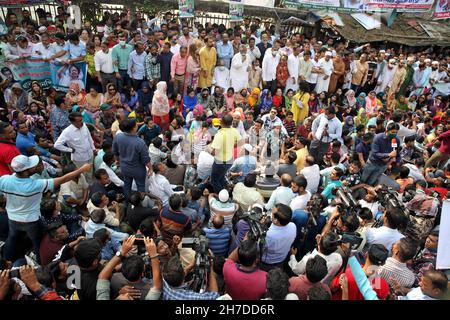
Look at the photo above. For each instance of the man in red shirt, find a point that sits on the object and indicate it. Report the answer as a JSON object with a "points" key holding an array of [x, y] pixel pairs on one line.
{"points": [[8, 148], [441, 155], [316, 269], [243, 279], [375, 257]]}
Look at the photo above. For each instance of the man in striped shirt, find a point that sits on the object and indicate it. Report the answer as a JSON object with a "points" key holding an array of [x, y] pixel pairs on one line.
{"points": [[395, 271]]}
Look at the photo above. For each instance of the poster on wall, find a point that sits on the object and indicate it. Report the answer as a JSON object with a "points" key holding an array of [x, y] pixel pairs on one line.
{"points": [[442, 10], [339, 5], [402, 5], [48, 74], [236, 10], [186, 8]]}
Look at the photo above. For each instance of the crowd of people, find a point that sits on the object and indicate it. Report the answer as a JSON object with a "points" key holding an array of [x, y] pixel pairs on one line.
{"points": [[243, 139]]}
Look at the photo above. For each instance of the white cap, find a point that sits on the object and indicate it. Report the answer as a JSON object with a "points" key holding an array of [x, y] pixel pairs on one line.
{"points": [[224, 195], [42, 29], [248, 147], [329, 54], [435, 62], [21, 163], [382, 51], [236, 113]]}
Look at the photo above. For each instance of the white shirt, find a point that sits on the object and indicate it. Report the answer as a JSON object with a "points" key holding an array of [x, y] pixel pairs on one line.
{"points": [[293, 63], [204, 165], [254, 53], [112, 175], [160, 187], [269, 67], [374, 207], [104, 62], [300, 201], [334, 263], [42, 52], [383, 235], [313, 76], [312, 175], [136, 65], [175, 49], [76, 139], [334, 128], [221, 78]]}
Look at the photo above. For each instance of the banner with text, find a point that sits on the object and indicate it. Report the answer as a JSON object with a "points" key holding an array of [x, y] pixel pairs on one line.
{"points": [[442, 10], [368, 5], [402, 5], [337, 5], [48, 74], [186, 8], [236, 10]]}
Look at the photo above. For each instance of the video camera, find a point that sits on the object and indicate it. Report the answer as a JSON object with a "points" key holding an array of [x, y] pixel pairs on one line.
{"points": [[347, 202], [199, 243], [389, 198], [352, 238], [259, 223]]}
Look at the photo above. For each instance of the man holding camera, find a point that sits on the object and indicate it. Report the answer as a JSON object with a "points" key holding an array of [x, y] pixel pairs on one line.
{"points": [[279, 238]]}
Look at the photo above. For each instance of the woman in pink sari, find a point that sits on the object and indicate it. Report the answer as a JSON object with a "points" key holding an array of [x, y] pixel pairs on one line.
{"points": [[160, 106]]}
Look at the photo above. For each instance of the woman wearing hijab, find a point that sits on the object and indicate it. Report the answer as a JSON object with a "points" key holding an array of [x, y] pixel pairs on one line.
{"points": [[145, 97], [402, 103], [75, 96], [349, 125], [371, 104], [300, 103], [16, 97], [190, 100], [361, 118], [266, 101], [361, 100], [313, 104], [350, 99], [254, 101], [282, 73], [37, 95], [160, 106]]}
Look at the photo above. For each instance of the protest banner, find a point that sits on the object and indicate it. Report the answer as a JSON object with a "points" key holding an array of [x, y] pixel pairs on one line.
{"points": [[186, 8], [442, 10], [236, 10], [48, 74]]}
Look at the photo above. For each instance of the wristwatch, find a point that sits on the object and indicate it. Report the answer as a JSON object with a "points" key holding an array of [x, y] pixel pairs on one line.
{"points": [[119, 255]]}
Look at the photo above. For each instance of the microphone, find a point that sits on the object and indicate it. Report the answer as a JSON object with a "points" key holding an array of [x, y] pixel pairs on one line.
{"points": [[394, 144]]}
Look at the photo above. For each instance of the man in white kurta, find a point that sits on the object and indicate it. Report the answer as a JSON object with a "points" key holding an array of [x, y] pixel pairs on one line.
{"points": [[221, 76], [293, 67], [240, 66], [386, 77], [323, 80]]}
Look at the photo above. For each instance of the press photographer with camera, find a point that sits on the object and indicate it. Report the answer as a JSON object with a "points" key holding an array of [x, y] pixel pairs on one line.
{"points": [[175, 288], [393, 219], [279, 239]]}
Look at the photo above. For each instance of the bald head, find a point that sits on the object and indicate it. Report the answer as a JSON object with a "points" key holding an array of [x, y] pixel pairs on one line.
{"points": [[286, 180], [309, 160], [218, 221]]}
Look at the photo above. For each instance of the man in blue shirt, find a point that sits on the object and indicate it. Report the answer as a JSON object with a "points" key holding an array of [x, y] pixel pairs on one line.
{"points": [[243, 165], [23, 199], [279, 238], [133, 155], [25, 141], [385, 148], [225, 50], [149, 131], [75, 49]]}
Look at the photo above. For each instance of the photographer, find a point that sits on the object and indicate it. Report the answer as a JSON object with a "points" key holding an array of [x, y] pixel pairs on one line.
{"points": [[393, 219], [103, 282], [174, 287], [326, 248], [243, 279], [309, 223], [279, 238]]}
